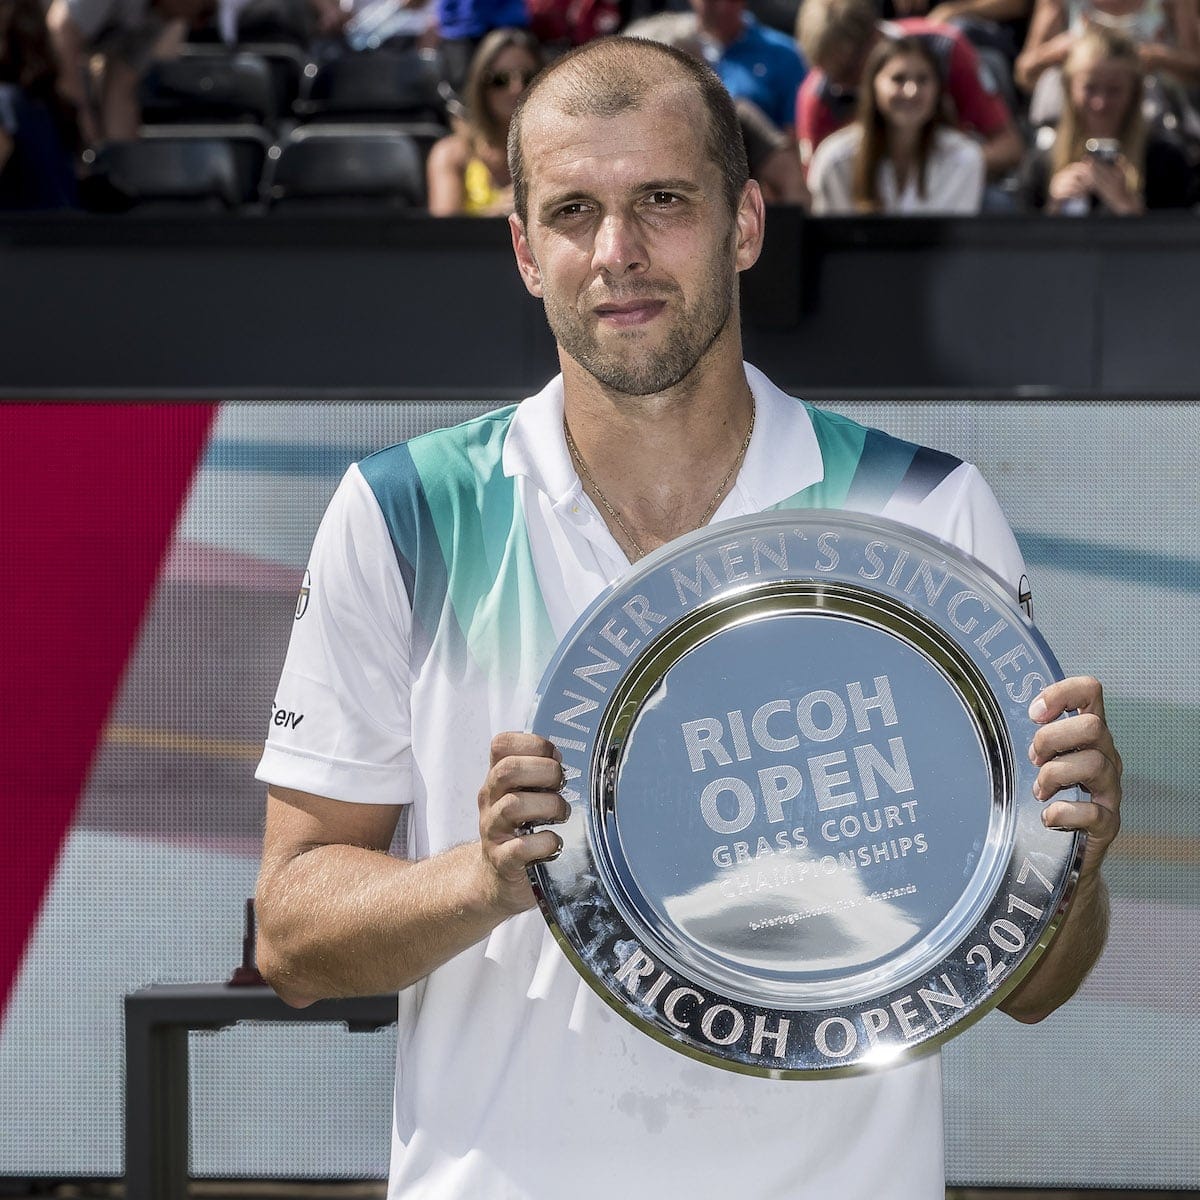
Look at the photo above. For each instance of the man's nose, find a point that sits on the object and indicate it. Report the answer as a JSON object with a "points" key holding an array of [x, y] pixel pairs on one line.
{"points": [[619, 247]]}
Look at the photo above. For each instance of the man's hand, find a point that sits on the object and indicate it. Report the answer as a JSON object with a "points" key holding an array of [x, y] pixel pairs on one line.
{"points": [[521, 790], [1074, 751], [1077, 751]]}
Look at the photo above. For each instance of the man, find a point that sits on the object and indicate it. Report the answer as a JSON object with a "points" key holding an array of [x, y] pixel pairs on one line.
{"points": [[837, 37], [754, 62], [443, 574]]}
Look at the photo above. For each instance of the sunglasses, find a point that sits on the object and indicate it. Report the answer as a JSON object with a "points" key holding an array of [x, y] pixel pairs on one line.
{"points": [[503, 79]]}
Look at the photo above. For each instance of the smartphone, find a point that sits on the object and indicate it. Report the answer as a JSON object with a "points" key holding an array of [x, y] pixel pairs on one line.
{"points": [[1105, 149]]}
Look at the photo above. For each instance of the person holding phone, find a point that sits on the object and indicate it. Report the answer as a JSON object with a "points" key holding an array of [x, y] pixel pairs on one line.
{"points": [[1103, 158]]}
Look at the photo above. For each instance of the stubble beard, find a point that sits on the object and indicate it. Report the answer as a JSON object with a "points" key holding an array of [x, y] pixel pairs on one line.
{"points": [[635, 371]]}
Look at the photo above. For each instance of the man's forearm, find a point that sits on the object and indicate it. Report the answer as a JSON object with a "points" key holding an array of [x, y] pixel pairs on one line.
{"points": [[1069, 958], [344, 921]]}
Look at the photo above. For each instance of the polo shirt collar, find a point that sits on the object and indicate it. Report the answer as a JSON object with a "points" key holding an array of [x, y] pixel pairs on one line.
{"points": [[782, 459]]}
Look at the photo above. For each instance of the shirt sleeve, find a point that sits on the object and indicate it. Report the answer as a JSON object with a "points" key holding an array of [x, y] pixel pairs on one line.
{"points": [[963, 511], [977, 107], [340, 723]]}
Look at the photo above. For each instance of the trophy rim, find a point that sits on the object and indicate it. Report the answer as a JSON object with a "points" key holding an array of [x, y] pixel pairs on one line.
{"points": [[954, 931]]}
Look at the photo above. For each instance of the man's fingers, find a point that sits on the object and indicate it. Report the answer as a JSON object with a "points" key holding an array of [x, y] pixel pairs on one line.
{"points": [[1088, 769], [521, 774], [509, 815], [1080, 692], [1082, 732], [512, 858], [522, 745], [1098, 822]]}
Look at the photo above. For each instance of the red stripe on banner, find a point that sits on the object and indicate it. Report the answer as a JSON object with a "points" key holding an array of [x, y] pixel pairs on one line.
{"points": [[89, 496]]}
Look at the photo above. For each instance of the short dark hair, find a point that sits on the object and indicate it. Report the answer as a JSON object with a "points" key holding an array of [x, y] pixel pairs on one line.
{"points": [[610, 76]]}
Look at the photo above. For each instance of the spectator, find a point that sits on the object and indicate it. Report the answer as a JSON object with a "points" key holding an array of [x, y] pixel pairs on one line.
{"points": [[770, 151], [1103, 159], [126, 35], [1167, 36], [900, 156], [1001, 25], [36, 126], [463, 24], [772, 157], [754, 63], [837, 36], [468, 171], [561, 24]]}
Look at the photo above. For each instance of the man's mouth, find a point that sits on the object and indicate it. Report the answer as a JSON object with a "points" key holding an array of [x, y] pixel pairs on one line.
{"points": [[629, 312]]}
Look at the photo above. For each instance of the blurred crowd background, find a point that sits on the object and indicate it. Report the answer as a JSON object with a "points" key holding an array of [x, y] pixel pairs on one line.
{"points": [[1064, 107]]}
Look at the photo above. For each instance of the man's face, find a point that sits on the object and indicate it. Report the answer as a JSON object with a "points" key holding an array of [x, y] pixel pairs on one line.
{"points": [[630, 242]]}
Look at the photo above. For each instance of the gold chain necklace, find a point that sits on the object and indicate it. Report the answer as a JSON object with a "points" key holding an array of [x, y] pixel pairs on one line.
{"points": [[616, 516]]}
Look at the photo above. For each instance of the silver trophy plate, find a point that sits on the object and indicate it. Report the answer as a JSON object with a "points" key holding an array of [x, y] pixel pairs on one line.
{"points": [[803, 840]]}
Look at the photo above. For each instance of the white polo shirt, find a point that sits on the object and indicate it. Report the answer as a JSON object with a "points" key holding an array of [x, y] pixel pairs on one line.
{"points": [[442, 577]]}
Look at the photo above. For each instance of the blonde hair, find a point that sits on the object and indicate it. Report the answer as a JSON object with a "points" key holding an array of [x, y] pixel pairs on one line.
{"points": [[822, 25], [1097, 44]]}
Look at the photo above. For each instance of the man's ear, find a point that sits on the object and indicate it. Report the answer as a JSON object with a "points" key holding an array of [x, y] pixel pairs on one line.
{"points": [[751, 221], [531, 274]]}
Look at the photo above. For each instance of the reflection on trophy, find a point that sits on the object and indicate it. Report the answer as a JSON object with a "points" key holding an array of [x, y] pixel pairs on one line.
{"points": [[802, 839]]}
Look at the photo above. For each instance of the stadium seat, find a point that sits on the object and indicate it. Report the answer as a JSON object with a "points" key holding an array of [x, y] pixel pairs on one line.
{"points": [[212, 168], [212, 86], [286, 64], [386, 84], [346, 166]]}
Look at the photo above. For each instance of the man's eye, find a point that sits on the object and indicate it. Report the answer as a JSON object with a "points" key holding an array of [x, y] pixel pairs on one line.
{"points": [[663, 198]]}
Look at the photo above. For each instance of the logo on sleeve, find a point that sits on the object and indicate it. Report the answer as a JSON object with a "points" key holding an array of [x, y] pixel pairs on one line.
{"points": [[302, 599], [284, 717]]}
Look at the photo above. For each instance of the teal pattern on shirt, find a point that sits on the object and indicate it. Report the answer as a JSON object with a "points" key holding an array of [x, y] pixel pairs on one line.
{"points": [[463, 551], [463, 548]]}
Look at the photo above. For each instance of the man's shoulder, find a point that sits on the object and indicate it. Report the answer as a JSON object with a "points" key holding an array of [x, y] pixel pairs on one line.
{"points": [[876, 465], [449, 460]]}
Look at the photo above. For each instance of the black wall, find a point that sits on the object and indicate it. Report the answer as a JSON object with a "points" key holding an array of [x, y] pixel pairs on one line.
{"points": [[198, 304]]}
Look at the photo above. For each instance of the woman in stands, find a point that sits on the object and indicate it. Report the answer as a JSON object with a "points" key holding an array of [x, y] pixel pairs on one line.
{"points": [[1103, 159], [37, 128], [1165, 32], [901, 155], [467, 172]]}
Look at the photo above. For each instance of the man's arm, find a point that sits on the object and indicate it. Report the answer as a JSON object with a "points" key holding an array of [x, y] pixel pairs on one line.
{"points": [[338, 916], [1076, 751]]}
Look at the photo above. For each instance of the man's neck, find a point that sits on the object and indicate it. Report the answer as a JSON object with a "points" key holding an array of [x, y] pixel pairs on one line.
{"points": [[659, 461]]}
